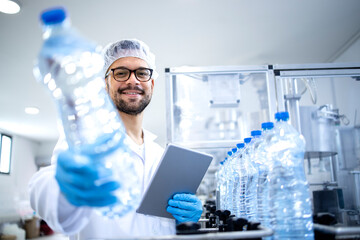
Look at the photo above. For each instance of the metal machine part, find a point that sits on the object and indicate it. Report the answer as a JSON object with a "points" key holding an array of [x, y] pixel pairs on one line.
{"points": [[213, 108], [327, 200], [217, 106], [327, 143], [336, 232], [256, 234], [318, 128], [348, 174], [357, 188], [214, 121]]}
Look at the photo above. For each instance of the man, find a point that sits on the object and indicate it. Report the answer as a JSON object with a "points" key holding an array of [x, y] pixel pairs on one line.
{"points": [[64, 196]]}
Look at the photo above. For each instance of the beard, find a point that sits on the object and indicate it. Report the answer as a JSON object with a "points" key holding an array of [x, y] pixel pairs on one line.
{"points": [[133, 107]]}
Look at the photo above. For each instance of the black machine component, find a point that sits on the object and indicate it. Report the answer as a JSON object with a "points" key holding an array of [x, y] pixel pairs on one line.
{"points": [[188, 228], [217, 221]]}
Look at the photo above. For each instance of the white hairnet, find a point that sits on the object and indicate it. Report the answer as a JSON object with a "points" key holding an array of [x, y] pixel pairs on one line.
{"points": [[128, 48]]}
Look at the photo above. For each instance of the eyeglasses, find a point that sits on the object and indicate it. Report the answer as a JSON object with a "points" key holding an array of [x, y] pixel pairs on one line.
{"points": [[122, 74]]}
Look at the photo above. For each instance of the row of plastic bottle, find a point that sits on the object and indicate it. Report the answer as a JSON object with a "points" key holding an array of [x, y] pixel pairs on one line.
{"points": [[263, 179]]}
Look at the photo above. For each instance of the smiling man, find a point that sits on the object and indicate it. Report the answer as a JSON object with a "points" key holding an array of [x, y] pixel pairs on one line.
{"points": [[65, 193], [130, 84], [138, 94]]}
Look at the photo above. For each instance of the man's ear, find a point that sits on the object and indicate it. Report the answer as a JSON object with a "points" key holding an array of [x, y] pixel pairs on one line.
{"points": [[152, 83], [107, 84]]}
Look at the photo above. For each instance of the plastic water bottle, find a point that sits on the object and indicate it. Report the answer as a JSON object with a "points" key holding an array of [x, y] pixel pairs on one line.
{"points": [[254, 145], [234, 178], [263, 162], [290, 205], [223, 187], [240, 183], [252, 178], [219, 182], [70, 67], [253, 148], [227, 167], [230, 181]]}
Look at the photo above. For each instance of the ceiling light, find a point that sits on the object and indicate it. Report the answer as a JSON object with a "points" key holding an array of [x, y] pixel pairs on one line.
{"points": [[9, 6], [32, 110]]}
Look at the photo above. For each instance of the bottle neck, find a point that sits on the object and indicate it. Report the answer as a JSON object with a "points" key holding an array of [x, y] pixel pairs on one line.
{"points": [[55, 29], [282, 120]]}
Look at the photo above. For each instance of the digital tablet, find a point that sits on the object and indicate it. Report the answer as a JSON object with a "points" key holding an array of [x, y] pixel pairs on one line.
{"points": [[179, 171]]}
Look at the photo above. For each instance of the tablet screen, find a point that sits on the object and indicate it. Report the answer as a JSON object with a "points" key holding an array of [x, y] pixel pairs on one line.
{"points": [[180, 171]]}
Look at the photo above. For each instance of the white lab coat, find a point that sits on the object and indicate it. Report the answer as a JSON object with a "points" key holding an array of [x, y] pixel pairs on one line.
{"points": [[84, 222]]}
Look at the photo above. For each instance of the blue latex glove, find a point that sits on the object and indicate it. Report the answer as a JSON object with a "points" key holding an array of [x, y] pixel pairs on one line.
{"points": [[79, 178], [185, 207]]}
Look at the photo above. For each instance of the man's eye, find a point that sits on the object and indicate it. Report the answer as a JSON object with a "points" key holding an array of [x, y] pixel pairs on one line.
{"points": [[143, 73], [120, 74]]}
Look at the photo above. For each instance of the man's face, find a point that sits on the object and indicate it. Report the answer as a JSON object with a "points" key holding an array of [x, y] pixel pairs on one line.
{"points": [[131, 96]]}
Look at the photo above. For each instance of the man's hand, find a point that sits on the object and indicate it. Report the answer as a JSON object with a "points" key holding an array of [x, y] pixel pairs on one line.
{"points": [[83, 182], [185, 207]]}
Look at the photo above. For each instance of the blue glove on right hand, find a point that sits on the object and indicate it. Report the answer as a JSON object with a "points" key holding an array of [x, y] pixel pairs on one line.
{"points": [[79, 178], [185, 207]]}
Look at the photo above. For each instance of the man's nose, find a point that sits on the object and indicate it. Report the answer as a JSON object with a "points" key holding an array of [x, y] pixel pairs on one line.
{"points": [[132, 79]]}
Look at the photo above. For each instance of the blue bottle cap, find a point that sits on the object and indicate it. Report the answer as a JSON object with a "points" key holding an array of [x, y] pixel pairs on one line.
{"points": [[285, 116], [240, 145], [229, 153], [278, 116], [256, 133], [234, 150], [53, 15], [267, 125], [247, 140]]}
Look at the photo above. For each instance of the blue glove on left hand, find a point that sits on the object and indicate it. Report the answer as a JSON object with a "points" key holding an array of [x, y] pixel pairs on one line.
{"points": [[185, 207], [78, 175]]}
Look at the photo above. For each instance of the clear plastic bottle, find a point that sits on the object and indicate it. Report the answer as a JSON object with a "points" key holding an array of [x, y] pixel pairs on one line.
{"points": [[290, 204], [223, 187], [255, 143], [252, 178], [263, 161], [70, 67], [240, 183], [219, 177], [230, 181]]}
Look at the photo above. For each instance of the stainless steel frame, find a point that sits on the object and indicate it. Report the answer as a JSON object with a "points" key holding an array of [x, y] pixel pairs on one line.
{"points": [[282, 71], [255, 234], [281, 97], [170, 75]]}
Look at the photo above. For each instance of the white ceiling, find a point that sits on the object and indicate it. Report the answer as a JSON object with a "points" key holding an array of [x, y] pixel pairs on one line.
{"points": [[180, 32]]}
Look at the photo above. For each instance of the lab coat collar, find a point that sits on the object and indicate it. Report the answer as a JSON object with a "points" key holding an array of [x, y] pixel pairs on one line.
{"points": [[148, 136]]}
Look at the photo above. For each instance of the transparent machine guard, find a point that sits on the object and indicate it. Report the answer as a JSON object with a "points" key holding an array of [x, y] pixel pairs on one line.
{"points": [[217, 106], [224, 90]]}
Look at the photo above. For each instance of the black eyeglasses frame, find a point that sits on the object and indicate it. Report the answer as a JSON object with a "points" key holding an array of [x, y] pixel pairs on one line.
{"points": [[131, 71]]}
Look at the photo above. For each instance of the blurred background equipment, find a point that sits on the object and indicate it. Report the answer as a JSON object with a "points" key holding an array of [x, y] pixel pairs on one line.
{"points": [[212, 108], [330, 133], [236, 100]]}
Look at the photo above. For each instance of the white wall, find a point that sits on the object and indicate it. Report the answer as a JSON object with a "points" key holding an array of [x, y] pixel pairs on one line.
{"points": [[43, 156], [352, 54], [14, 198]]}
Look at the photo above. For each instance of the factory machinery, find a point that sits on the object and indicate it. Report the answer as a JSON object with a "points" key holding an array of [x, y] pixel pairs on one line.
{"points": [[211, 109]]}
